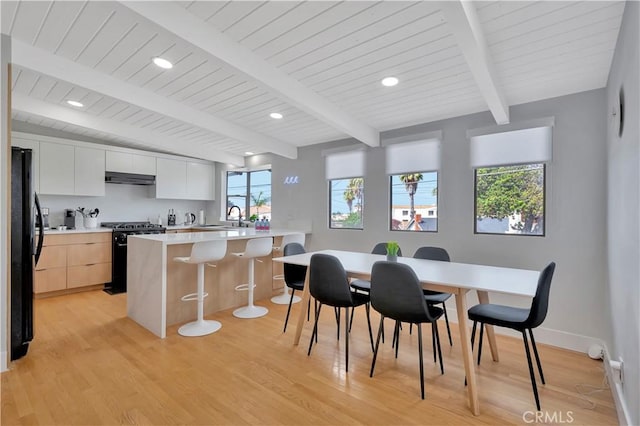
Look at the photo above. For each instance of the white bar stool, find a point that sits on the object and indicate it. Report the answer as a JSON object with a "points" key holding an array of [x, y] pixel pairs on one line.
{"points": [[257, 247], [283, 299], [202, 252]]}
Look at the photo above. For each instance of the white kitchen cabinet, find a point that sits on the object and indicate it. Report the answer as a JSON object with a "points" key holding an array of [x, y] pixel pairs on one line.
{"points": [[125, 162], [34, 146], [89, 171], [171, 178], [57, 169], [200, 181]]}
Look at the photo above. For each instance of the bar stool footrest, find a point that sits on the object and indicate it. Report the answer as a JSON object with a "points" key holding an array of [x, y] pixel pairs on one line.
{"points": [[243, 287], [192, 296]]}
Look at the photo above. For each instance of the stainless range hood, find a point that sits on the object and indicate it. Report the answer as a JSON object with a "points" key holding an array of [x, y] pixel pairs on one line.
{"points": [[129, 178]]}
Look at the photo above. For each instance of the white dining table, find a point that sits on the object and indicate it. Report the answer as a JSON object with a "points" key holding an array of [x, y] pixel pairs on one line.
{"points": [[448, 277]]}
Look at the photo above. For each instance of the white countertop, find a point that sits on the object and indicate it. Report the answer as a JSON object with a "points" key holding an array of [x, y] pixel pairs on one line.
{"points": [[75, 231], [227, 234]]}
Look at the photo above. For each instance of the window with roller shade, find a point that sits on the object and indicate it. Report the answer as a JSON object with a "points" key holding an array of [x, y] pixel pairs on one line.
{"points": [[510, 180], [344, 173], [413, 175]]}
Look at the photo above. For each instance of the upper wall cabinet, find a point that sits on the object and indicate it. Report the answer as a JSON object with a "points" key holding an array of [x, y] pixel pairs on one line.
{"points": [[34, 146], [57, 170], [71, 170], [171, 178], [185, 180], [200, 181], [89, 171], [125, 162]]}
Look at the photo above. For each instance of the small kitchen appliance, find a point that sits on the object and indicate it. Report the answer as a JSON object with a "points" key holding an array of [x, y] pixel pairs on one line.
{"points": [[70, 218]]}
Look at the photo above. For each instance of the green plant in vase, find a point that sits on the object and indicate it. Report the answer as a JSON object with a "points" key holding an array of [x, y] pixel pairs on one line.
{"points": [[392, 250]]}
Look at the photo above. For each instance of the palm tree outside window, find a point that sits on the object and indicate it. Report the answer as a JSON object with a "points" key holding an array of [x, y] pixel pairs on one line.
{"points": [[346, 203], [417, 194]]}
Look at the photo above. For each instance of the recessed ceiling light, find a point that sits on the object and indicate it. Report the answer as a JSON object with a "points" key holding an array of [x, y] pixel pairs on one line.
{"points": [[389, 81], [162, 63], [75, 103], [275, 115], [248, 153]]}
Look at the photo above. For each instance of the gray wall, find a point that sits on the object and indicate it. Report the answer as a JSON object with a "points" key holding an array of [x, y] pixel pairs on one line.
{"points": [[576, 216], [5, 194], [623, 207]]}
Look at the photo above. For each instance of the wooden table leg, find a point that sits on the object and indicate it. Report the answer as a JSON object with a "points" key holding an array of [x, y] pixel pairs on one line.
{"points": [[467, 353], [305, 305], [483, 297]]}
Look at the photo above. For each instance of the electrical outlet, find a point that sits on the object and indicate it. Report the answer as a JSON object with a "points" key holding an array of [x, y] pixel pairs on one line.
{"points": [[621, 370]]}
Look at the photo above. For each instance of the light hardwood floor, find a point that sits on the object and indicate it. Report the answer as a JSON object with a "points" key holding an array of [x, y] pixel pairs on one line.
{"points": [[89, 364]]}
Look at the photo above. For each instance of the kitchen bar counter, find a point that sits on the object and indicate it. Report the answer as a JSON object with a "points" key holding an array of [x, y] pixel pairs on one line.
{"points": [[155, 283]]}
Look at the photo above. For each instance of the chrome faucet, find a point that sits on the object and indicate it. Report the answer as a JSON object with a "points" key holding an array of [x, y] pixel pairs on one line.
{"points": [[239, 215]]}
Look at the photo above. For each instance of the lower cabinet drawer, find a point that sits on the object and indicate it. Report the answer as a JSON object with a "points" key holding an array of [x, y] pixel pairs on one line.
{"points": [[80, 276], [50, 280]]}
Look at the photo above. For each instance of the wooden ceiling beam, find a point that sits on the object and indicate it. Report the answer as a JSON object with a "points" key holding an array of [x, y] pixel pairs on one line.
{"points": [[193, 30], [26, 104], [465, 25], [41, 61]]}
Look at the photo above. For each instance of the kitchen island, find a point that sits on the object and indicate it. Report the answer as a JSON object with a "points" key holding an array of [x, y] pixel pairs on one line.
{"points": [[155, 283]]}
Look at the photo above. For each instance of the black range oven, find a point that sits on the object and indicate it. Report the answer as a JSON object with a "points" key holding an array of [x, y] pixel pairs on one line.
{"points": [[121, 230]]}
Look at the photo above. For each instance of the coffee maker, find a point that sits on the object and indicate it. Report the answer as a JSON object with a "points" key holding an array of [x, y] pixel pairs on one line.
{"points": [[45, 219], [70, 218]]}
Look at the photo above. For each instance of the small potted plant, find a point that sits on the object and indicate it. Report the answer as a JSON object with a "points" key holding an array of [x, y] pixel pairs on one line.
{"points": [[392, 251]]}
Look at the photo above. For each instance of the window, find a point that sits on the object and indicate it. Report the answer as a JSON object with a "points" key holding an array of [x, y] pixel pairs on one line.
{"points": [[510, 179], [346, 203], [510, 199], [251, 192], [344, 171], [414, 202], [414, 195]]}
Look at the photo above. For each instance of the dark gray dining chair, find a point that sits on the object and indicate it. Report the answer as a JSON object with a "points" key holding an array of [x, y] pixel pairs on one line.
{"points": [[396, 293], [329, 285], [520, 319], [294, 276], [436, 297]]}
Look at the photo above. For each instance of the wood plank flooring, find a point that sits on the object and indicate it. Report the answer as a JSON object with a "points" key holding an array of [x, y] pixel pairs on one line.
{"points": [[89, 365]]}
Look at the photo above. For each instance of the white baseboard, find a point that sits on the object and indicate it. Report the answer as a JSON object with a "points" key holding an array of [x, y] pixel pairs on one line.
{"points": [[3, 362], [624, 417]]}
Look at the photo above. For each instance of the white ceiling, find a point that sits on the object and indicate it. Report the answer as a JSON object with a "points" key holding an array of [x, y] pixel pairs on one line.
{"points": [[318, 63]]}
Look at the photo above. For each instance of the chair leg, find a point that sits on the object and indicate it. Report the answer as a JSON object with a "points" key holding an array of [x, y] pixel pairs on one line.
{"points": [[433, 339], [480, 341], [382, 328], [315, 330], [397, 337], [337, 311], [315, 312], [367, 309], [420, 360], [531, 373], [286, 320], [308, 309], [446, 320], [347, 327], [375, 350], [410, 328], [473, 337], [535, 352], [439, 348], [351, 320], [395, 334]]}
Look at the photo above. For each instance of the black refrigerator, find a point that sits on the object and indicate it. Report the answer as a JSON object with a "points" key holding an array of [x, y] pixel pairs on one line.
{"points": [[25, 251]]}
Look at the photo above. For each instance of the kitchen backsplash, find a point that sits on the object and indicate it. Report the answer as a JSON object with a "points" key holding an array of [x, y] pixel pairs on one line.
{"points": [[130, 203]]}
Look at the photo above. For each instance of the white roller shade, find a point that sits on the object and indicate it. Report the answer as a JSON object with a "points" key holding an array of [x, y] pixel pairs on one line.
{"points": [[515, 147], [343, 165], [418, 156]]}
